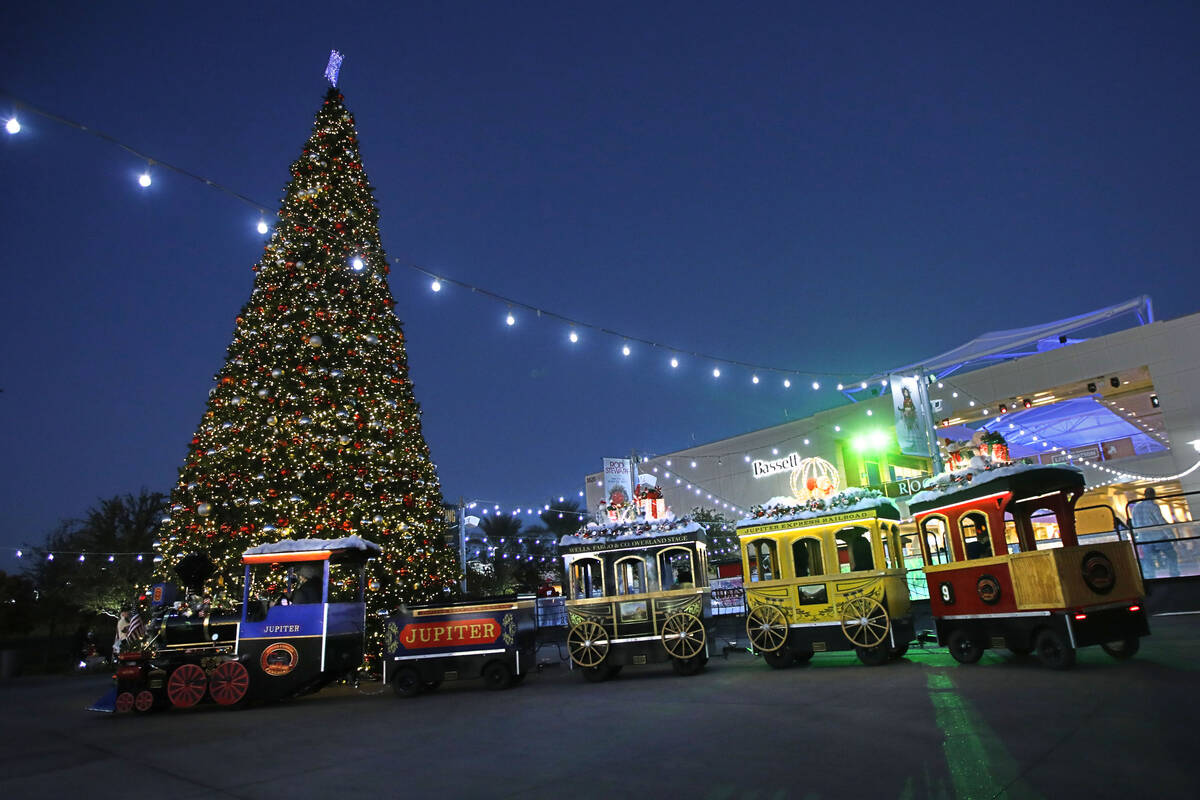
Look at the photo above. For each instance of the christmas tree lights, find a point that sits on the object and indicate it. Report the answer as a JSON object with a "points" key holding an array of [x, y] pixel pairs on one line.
{"points": [[312, 429]]}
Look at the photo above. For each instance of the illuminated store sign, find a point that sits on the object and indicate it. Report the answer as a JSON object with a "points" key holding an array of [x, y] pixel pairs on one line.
{"points": [[765, 468]]}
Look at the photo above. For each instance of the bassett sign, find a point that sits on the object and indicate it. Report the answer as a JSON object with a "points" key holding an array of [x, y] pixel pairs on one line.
{"points": [[786, 464]]}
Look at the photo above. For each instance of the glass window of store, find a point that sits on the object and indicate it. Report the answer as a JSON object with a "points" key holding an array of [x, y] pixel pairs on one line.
{"points": [[806, 556]]}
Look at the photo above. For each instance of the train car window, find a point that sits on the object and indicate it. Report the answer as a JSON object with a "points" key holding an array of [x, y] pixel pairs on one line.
{"points": [[762, 560], [888, 537], [854, 549], [270, 584], [345, 583], [937, 540], [974, 529], [675, 569], [1011, 538], [806, 555], [631, 576], [306, 583], [587, 579]]}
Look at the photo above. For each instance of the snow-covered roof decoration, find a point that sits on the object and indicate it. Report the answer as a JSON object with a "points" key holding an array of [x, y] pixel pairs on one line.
{"points": [[622, 532], [788, 509], [353, 542], [979, 470]]}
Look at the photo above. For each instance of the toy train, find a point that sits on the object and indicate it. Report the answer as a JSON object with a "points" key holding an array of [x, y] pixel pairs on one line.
{"points": [[824, 576], [301, 626]]}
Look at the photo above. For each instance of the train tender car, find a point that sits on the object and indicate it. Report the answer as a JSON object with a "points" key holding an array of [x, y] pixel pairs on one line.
{"points": [[301, 626], [492, 639], [825, 575], [989, 584], [637, 593]]}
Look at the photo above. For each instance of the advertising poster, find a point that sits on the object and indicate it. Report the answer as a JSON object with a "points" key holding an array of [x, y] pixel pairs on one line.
{"points": [[912, 415], [618, 481]]}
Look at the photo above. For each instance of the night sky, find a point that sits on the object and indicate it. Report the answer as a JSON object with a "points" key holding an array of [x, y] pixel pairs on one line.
{"points": [[838, 188]]}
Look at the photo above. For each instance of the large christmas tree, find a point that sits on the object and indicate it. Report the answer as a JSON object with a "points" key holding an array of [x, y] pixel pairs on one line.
{"points": [[311, 429]]}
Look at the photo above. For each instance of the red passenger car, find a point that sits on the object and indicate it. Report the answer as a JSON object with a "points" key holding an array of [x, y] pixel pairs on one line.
{"points": [[991, 587]]}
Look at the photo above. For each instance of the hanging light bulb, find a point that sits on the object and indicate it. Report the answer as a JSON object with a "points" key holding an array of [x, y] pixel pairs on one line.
{"points": [[436, 285], [754, 379], [510, 320], [716, 372], [816, 385], [674, 363], [262, 226], [787, 384], [12, 125], [573, 336], [144, 179], [625, 350], [357, 264]]}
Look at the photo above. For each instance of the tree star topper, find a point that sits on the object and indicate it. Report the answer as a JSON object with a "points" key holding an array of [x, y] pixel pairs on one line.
{"points": [[335, 64]]}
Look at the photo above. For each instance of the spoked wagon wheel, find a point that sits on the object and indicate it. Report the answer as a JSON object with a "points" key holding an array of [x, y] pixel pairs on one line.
{"points": [[767, 628], [865, 622], [124, 702], [143, 701], [683, 635], [228, 683], [587, 643], [186, 686]]}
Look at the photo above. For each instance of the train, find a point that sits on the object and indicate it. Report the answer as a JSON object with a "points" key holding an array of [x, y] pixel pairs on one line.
{"points": [[821, 575]]}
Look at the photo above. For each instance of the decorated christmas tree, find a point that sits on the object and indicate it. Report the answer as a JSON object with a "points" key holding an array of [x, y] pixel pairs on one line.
{"points": [[312, 430]]}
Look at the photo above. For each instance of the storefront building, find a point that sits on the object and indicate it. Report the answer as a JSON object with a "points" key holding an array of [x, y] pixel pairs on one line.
{"points": [[1112, 392]]}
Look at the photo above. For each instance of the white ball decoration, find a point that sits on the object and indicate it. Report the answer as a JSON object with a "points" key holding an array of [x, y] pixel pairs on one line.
{"points": [[314, 340], [272, 420], [204, 509]]}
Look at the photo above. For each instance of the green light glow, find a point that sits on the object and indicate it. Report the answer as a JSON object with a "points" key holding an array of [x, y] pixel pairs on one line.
{"points": [[979, 764]]}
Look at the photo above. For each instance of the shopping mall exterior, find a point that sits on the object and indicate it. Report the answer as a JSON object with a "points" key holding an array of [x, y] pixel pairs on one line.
{"points": [[1113, 392]]}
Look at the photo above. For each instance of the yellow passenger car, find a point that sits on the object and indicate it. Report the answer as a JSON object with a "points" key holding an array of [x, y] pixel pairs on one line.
{"points": [[820, 581]]}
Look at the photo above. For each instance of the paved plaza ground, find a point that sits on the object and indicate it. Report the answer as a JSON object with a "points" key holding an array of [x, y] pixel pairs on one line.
{"points": [[920, 727]]}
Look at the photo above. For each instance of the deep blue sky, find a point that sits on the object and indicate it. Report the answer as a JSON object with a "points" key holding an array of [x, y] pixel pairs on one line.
{"points": [[839, 187]]}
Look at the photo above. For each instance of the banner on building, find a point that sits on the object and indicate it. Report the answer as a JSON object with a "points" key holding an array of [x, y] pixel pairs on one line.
{"points": [[618, 481], [913, 422]]}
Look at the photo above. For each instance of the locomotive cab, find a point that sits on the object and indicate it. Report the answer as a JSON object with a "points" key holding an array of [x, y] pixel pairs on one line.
{"points": [[302, 625]]}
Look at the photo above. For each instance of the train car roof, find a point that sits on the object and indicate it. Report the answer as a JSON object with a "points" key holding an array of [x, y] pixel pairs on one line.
{"points": [[310, 549], [605, 537], [855, 501], [1023, 480]]}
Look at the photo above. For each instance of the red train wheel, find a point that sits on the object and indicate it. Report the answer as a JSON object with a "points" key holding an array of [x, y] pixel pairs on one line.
{"points": [[144, 700], [228, 683], [124, 702], [186, 686]]}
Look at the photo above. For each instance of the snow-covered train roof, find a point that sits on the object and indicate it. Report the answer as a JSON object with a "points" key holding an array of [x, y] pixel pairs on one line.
{"points": [[353, 542], [647, 532], [788, 509], [978, 473]]}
